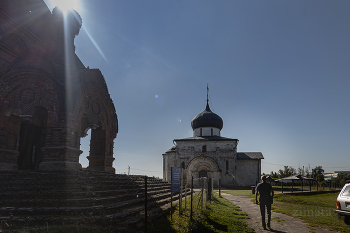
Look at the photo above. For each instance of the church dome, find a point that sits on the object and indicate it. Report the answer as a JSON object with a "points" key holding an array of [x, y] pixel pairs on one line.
{"points": [[207, 119]]}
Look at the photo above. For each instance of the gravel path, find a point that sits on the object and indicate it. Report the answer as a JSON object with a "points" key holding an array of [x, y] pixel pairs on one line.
{"points": [[279, 222]]}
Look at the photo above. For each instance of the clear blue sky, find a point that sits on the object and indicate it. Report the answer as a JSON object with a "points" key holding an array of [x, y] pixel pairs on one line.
{"points": [[278, 73]]}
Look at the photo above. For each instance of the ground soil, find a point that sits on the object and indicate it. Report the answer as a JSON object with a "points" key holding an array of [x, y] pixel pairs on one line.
{"points": [[279, 222]]}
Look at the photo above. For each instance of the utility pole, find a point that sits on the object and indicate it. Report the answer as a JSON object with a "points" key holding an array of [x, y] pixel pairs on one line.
{"points": [[128, 170], [303, 171]]}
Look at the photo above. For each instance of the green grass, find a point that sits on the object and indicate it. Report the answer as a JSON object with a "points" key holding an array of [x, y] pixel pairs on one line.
{"points": [[218, 216], [316, 210], [240, 192]]}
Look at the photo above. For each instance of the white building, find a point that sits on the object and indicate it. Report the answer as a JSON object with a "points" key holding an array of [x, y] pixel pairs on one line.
{"points": [[207, 154]]}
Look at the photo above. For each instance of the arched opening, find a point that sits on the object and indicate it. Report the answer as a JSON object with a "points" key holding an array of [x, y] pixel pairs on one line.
{"points": [[95, 143], [97, 149], [203, 173], [32, 139], [85, 147]]}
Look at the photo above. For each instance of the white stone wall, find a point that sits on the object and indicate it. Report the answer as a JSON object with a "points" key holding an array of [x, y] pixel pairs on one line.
{"points": [[219, 151], [248, 172]]}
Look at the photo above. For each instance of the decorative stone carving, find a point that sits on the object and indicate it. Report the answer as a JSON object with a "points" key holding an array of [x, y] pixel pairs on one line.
{"points": [[27, 95], [96, 108]]}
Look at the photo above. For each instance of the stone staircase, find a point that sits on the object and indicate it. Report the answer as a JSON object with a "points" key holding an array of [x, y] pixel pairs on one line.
{"points": [[79, 197]]}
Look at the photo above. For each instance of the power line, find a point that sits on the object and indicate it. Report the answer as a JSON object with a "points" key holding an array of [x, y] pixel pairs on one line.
{"points": [[296, 166], [276, 164], [121, 169], [129, 169], [144, 170]]}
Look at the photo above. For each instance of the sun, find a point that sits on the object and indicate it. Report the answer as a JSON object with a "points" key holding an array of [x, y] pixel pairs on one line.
{"points": [[66, 5]]}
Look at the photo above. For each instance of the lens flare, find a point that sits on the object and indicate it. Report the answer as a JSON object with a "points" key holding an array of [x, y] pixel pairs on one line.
{"points": [[96, 45], [66, 5], [159, 99]]}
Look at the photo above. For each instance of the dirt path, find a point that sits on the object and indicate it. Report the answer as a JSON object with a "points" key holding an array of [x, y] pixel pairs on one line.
{"points": [[279, 222]]}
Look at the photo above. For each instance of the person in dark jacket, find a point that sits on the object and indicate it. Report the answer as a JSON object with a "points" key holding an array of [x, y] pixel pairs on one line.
{"points": [[266, 193]]}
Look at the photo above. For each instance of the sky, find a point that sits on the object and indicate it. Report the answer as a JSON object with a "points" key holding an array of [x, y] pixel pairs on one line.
{"points": [[278, 75]]}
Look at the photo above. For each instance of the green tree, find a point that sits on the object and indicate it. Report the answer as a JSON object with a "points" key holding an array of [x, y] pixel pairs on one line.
{"points": [[342, 177], [317, 173], [273, 175], [287, 171]]}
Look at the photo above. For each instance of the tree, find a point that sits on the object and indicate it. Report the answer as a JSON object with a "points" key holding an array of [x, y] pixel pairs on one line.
{"points": [[308, 171], [273, 175], [288, 171], [317, 173], [301, 171], [341, 178]]}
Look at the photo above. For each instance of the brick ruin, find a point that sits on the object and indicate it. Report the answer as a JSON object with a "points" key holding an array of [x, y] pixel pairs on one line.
{"points": [[48, 98]]}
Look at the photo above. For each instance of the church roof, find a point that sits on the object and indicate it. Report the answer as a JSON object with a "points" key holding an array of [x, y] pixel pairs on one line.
{"points": [[172, 149], [250, 155], [207, 119], [206, 138]]}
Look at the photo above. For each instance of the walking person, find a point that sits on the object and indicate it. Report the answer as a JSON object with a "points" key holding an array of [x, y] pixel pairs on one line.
{"points": [[266, 199]]}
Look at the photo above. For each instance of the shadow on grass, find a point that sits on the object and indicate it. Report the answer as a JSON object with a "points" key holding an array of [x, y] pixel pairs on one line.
{"points": [[217, 225], [272, 230], [163, 225]]}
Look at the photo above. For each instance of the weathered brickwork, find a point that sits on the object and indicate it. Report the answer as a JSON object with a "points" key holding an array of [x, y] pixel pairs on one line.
{"points": [[48, 98]]}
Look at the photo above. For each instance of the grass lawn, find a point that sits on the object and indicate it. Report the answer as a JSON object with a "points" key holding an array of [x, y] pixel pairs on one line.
{"points": [[218, 216], [240, 192], [316, 210]]}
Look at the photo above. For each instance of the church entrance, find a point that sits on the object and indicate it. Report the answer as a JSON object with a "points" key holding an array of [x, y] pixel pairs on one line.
{"points": [[31, 140], [203, 173]]}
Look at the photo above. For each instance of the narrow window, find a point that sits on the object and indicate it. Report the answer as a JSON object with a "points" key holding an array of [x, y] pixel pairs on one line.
{"points": [[204, 148], [183, 165], [226, 165], [211, 132], [200, 132]]}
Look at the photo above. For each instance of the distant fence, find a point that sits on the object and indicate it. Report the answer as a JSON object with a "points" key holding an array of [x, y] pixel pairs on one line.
{"points": [[307, 186]]}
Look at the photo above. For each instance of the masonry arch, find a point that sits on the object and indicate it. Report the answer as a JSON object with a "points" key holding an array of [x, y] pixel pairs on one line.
{"points": [[31, 103], [94, 110], [203, 166]]}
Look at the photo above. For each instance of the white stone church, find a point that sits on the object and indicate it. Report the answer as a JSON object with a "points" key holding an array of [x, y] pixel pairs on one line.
{"points": [[207, 154]]}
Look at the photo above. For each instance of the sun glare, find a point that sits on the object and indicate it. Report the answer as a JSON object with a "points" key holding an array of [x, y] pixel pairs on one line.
{"points": [[66, 5]]}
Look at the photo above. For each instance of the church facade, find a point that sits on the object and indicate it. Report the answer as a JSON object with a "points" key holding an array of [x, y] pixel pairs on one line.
{"points": [[208, 154]]}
